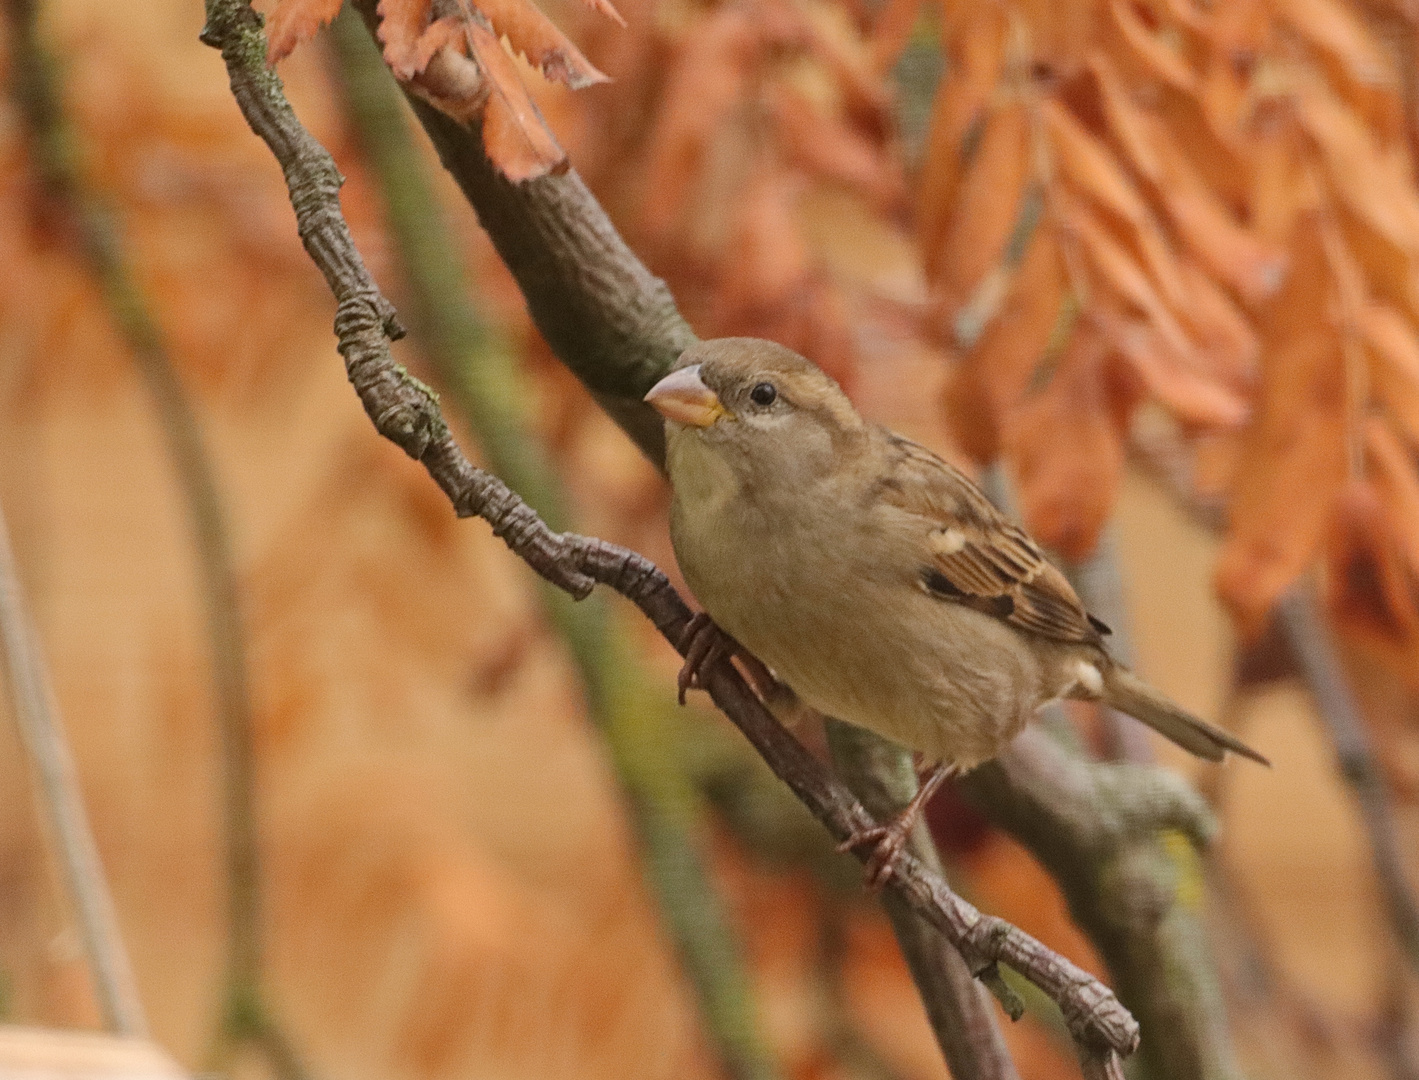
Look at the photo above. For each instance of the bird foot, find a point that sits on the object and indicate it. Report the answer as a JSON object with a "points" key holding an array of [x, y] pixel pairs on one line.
{"points": [[887, 841], [890, 839], [705, 645]]}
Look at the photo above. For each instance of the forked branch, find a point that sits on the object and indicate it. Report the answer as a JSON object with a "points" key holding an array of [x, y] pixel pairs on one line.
{"points": [[406, 412]]}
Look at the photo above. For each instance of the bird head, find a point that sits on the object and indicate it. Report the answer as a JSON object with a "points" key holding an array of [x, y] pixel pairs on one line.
{"points": [[759, 406]]}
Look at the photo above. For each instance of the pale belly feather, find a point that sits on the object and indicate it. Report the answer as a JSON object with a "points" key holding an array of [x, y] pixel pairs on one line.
{"points": [[938, 678]]}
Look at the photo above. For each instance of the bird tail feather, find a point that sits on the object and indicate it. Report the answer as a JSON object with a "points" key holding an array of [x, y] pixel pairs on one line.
{"points": [[1126, 692]]}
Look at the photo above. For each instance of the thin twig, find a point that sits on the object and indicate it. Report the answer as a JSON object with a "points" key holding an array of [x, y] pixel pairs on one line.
{"points": [[37, 716], [56, 156], [406, 412], [1309, 639], [882, 775], [616, 327], [484, 386]]}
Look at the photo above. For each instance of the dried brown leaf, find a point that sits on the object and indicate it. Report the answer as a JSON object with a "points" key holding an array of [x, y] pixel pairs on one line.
{"points": [[1151, 52], [1228, 249], [1123, 118], [959, 116], [992, 377], [292, 22], [514, 134], [702, 91], [1223, 334], [1281, 187], [1394, 365], [606, 8], [1370, 580], [1354, 60], [1232, 252], [986, 208], [1337, 31], [1065, 450], [401, 23], [768, 257], [1295, 447], [830, 36], [891, 30], [823, 145], [1121, 273], [1375, 186], [536, 37], [1392, 469], [1196, 398], [1087, 163]]}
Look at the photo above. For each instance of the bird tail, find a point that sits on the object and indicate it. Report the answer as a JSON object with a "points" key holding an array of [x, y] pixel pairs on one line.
{"points": [[1126, 692]]}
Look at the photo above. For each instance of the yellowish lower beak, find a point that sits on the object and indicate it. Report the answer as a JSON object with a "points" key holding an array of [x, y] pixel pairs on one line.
{"points": [[683, 396]]}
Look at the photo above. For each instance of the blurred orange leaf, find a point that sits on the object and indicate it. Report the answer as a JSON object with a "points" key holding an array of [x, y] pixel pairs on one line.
{"points": [[1222, 332], [1233, 253], [1370, 580], [1194, 397], [1392, 468], [825, 146], [1293, 462], [986, 207], [959, 116], [891, 31], [1066, 451], [993, 375], [1394, 365], [1154, 55]]}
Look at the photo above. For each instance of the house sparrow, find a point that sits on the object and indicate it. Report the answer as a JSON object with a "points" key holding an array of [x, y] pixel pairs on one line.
{"points": [[874, 579]]}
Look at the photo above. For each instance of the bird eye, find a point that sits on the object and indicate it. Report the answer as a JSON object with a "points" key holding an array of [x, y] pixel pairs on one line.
{"points": [[764, 394]]}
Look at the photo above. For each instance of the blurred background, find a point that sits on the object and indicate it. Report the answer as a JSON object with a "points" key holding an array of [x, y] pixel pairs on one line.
{"points": [[1152, 262]]}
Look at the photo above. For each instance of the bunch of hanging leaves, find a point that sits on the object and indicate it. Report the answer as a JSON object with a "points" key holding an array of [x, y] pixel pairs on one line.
{"points": [[1202, 216], [737, 143], [1129, 213], [451, 53]]}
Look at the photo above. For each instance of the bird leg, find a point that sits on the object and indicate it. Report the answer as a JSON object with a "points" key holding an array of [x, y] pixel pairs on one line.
{"points": [[888, 840], [705, 645]]}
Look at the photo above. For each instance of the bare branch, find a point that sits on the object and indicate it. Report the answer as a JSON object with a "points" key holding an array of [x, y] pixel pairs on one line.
{"points": [[36, 715], [883, 777], [1307, 640], [405, 411], [479, 372], [54, 148]]}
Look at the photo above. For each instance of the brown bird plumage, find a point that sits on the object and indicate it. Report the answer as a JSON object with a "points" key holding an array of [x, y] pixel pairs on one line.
{"points": [[876, 581]]}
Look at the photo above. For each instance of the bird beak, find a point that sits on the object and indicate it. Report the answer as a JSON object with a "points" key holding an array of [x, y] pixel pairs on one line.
{"points": [[683, 396]]}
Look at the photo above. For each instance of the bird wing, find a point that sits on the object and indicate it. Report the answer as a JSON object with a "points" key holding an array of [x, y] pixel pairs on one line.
{"points": [[974, 556]]}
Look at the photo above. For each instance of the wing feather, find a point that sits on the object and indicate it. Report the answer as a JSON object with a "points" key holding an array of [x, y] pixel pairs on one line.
{"points": [[972, 555]]}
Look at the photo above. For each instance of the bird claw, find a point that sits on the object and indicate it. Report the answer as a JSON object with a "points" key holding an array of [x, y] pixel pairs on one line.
{"points": [[888, 842], [705, 645]]}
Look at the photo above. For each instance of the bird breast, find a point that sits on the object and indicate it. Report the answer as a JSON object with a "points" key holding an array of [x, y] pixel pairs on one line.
{"points": [[828, 596]]}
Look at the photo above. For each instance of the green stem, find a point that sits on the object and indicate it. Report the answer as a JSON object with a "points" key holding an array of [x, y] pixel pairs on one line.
{"points": [[479, 374], [57, 157]]}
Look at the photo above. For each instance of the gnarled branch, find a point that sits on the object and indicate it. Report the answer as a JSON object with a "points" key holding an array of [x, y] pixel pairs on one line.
{"points": [[406, 411]]}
